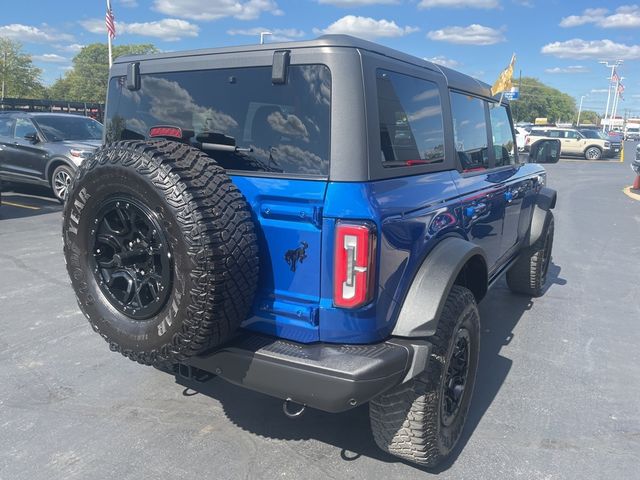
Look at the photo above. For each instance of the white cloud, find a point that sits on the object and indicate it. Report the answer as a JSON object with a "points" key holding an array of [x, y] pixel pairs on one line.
{"points": [[128, 3], [71, 48], [486, 4], [277, 34], [472, 35], [569, 69], [444, 61], [31, 34], [626, 16], [50, 58], [599, 90], [366, 27], [169, 29], [358, 3], [216, 9], [596, 49]]}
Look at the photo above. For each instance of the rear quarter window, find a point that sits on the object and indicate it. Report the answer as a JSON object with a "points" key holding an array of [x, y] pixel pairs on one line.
{"points": [[410, 119], [279, 129]]}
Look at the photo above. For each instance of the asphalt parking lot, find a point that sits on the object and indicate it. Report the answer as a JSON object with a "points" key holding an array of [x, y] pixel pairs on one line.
{"points": [[557, 394]]}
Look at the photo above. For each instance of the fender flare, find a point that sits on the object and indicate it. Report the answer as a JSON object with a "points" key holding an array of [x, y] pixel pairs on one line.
{"points": [[57, 160], [545, 201], [422, 307]]}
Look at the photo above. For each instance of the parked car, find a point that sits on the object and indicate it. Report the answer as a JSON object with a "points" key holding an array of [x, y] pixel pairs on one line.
{"points": [[45, 148], [316, 221], [632, 132], [573, 142], [616, 146]]}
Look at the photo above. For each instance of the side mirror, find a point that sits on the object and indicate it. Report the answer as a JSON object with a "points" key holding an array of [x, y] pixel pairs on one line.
{"points": [[545, 151], [32, 137]]}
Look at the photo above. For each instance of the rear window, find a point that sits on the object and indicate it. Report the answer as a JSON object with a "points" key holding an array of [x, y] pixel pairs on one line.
{"points": [[410, 116], [280, 129]]}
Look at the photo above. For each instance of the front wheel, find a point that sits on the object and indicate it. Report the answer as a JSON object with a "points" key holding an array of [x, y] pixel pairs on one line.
{"points": [[593, 153], [529, 274], [61, 181], [421, 420]]}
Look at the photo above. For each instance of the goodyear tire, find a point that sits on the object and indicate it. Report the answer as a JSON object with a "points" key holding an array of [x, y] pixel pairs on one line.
{"points": [[422, 420], [161, 250]]}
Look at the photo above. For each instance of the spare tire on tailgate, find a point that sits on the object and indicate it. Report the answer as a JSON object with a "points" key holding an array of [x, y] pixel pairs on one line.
{"points": [[161, 249]]}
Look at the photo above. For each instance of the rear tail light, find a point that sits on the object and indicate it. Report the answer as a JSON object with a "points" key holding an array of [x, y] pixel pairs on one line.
{"points": [[354, 265], [527, 140], [165, 131]]}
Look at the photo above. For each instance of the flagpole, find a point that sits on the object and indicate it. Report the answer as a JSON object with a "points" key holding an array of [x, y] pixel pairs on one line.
{"points": [[616, 100], [109, 37]]}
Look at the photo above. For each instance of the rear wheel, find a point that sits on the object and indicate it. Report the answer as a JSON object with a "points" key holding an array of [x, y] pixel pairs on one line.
{"points": [[61, 179], [421, 420], [593, 153], [161, 250]]}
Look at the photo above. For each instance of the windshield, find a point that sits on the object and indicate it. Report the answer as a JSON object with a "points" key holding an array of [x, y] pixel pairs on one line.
{"points": [[59, 128]]}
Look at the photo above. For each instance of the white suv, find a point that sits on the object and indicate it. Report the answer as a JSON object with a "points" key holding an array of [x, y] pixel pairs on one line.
{"points": [[573, 142]]}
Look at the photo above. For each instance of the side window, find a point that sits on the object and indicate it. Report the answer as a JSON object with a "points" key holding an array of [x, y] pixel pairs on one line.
{"points": [[503, 141], [555, 134], [6, 126], [470, 131], [410, 114], [571, 134], [24, 127]]}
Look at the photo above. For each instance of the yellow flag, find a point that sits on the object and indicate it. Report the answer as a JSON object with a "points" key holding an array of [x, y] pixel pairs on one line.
{"points": [[504, 81]]}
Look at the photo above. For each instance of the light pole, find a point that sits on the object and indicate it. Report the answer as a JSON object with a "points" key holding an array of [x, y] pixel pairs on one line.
{"points": [[616, 99], [613, 69], [262, 35], [580, 110]]}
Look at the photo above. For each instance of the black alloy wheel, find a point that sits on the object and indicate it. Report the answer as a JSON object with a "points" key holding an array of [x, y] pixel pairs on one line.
{"points": [[131, 258], [455, 380]]}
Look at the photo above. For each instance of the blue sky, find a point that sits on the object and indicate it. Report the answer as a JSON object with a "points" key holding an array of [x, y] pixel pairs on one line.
{"points": [[557, 41]]}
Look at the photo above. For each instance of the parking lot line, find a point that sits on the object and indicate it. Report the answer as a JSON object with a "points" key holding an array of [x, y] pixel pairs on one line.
{"points": [[19, 205], [627, 191]]}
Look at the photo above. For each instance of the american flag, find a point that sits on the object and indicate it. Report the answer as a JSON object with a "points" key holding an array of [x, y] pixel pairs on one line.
{"points": [[615, 78], [110, 21], [621, 90]]}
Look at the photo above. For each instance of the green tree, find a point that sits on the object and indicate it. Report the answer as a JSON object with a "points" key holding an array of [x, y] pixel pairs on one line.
{"points": [[87, 80], [20, 77], [589, 117], [538, 100]]}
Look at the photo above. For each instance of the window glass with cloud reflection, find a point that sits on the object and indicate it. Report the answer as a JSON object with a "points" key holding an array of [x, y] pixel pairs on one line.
{"points": [[281, 129], [410, 117]]}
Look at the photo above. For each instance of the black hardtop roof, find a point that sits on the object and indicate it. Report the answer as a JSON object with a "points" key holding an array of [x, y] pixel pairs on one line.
{"points": [[455, 79]]}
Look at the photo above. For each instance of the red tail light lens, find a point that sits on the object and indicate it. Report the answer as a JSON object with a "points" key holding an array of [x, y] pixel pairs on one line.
{"points": [[527, 140], [165, 131], [354, 265]]}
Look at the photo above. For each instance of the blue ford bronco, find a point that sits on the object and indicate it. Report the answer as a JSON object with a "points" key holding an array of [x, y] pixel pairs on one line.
{"points": [[316, 221]]}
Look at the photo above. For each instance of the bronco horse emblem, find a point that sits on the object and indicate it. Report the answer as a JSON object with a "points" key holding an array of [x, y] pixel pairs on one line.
{"points": [[292, 257]]}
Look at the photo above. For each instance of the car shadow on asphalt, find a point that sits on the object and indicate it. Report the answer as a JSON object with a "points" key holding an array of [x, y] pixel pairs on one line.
{"points": [[27, 201], [350, 431]]}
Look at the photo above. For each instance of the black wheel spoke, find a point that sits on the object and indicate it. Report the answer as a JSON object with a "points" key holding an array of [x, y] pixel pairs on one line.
{"points": [[131, 257], [456, 377]]}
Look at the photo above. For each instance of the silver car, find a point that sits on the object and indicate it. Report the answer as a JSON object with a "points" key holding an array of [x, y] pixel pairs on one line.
{"points": [[45, 148]]}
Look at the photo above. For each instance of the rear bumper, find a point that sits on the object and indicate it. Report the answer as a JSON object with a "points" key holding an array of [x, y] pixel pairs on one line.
{"points": [[333, 378]]}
